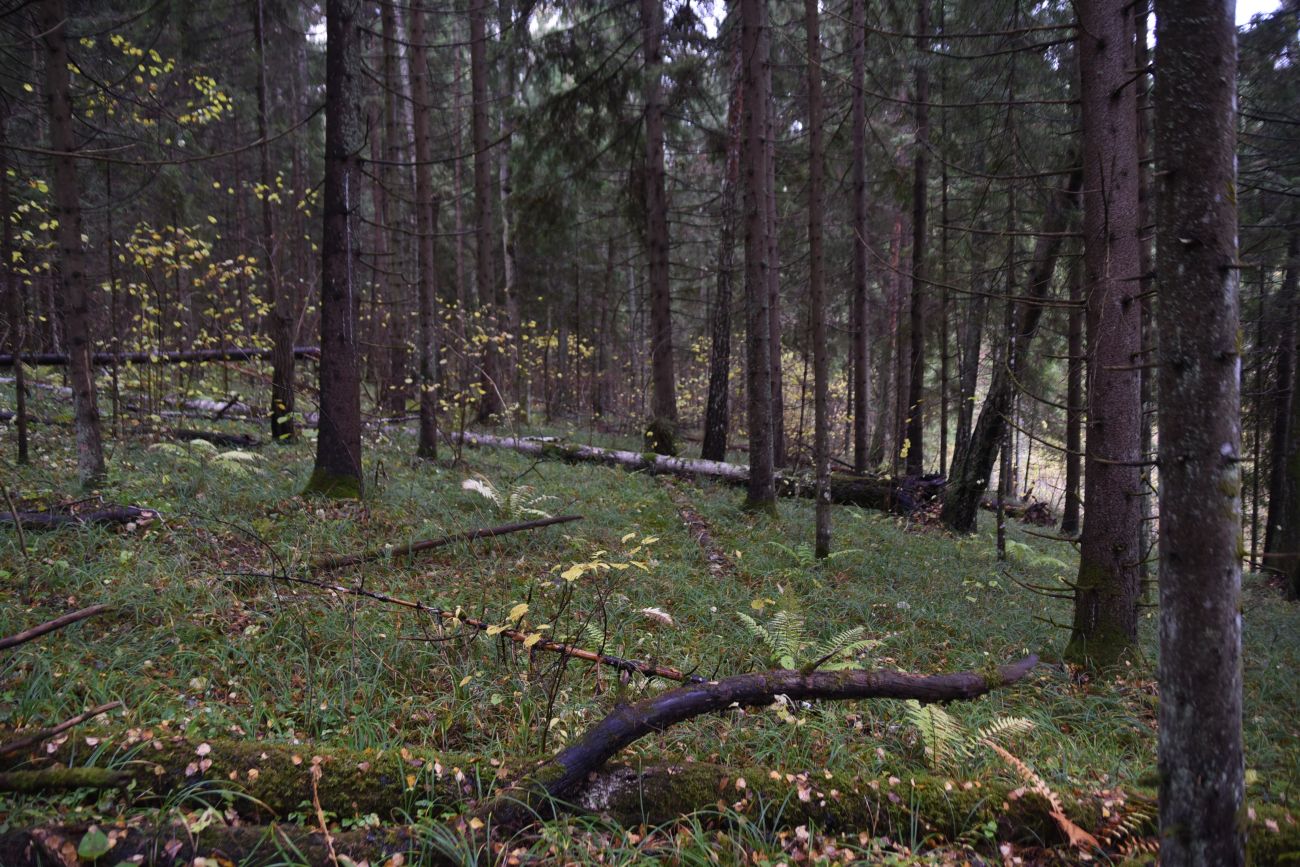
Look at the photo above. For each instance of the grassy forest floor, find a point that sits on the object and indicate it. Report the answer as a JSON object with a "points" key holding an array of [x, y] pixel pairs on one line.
{"points": [[194, 648]]}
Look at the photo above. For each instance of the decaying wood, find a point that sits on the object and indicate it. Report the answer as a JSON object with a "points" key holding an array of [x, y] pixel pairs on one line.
{"points": [[54, 520], [52, 625], [865, 491], [630, 723], [429, 544], [217, 438], [62, 780], [518, 636], [31, 741], [193, 356]]}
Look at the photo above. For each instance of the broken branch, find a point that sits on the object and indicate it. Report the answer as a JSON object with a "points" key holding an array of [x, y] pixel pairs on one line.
{"points": [[51, 625], [407, 550], [18, 745]]}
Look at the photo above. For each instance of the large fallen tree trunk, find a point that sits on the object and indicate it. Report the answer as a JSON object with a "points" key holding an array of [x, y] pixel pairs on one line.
{"points": [[109, 516], [192, 356], [903, 495]]}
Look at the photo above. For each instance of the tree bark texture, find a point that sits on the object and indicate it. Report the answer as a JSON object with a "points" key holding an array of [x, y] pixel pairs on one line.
{"points": [[426, 222], [816, 284], [1108, 586], [920, 184], [973, 465], [663, 396], [72, 301], [338, 445], [1201, 761], [490, 403], [754, 46], [859, 316]]}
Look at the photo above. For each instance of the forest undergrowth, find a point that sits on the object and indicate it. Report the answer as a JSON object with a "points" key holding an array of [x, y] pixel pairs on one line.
{"points": [[204, 641]]}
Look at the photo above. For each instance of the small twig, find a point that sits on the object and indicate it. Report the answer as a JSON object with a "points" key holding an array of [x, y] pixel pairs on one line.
{"points": [[19, 745], [632, 665], [320, 813], [22, 543], [50, 626], [339, 562]]}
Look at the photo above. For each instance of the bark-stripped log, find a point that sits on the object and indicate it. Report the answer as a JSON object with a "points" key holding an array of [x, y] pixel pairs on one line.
{"points": [[869, 492]]}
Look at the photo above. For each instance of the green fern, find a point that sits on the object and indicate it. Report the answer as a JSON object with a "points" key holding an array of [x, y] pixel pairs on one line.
{"points": [[515, 502], [948, 742], [785, 639]]}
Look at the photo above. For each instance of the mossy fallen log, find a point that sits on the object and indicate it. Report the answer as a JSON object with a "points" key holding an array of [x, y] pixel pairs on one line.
{"points": [[868, 492], [941, 808]]}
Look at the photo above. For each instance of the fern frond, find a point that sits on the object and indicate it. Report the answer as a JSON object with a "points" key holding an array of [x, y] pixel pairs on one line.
{"points": [[1001, 727], [845, 645], [941, 733]]}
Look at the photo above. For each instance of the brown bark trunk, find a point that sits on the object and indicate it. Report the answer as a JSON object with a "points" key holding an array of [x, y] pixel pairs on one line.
{"points": [[1074, 404], [338, 445], [13, 292], [973, 466], [1108, 587], [73, 299], [859, 315], [283, 427], [1202, 767], [426, 220], [663, 402], [754, 47], [1283, 489], [920, 176], [774, 269], [816, 288], [490, 403], [717, 418]]}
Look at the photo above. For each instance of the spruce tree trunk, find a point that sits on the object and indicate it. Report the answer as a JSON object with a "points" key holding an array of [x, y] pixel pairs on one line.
{"points": [[816, 288], [1283, 488], [283, 428], [754, 46], [13, 292], [1108, 586], [663, 402], [972, 468], [717, 420], [1201, 761], [490, 403], [915, 443], [72, 301], [859, 316], [338, 444], [1074, 404], [426, 222]]}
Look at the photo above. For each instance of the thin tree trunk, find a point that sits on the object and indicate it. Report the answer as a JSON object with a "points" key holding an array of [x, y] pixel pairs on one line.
{"points": [[859, 315], [1108, 586], [717, 419], [816, 280], [1282, 489], [338, 444], [490, 404], [1073, 403], [73, 299], [426, 220], [920, 176], [663, 403], [13, 292], [1201, 762], [774, 273], [754, 48], [973, 466], [283, 428]]}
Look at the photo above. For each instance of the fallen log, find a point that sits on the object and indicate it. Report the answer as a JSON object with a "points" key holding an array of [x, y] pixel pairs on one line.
{"points": [[52, 625], [109, 516], [192, 356], [33, 740], [62, 780], [410, 548], [217, 438], [866, 491]]}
